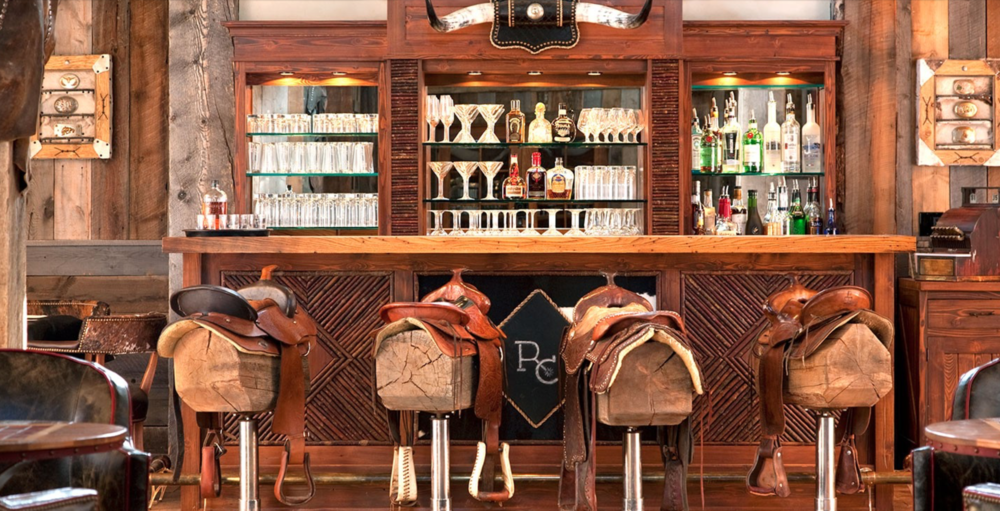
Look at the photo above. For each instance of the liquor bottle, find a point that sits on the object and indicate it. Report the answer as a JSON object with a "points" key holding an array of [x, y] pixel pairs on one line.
{"points": [[724, 225], [709, 213], [697, 211], [513, 187], [717, 134], [696, 135], [515, 123], [772, 138], [540, 130], [565, 130], [731, 138], [814, 216], [790, 137], [559, 182], [772, 220], [797, 215], [709, 150], [739, 209], [831, 220], [214, 202], [753, 147], [812, 141], [754, 227], [783, 219], [536, 177]]}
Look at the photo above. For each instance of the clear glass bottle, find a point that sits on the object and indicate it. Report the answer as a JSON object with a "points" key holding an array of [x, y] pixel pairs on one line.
{"points": [[739, 209], [812, 141], [559, 182], [540, 130], [710, 163], [791, 140], [731, 139], [753, 147], [513, 187], [214, 202], [565, 130], [515, 123], [696, 135], [783, 219], [709, 213], [717, 134], [755, 226], [697, 211], [772, 219], [772, 138], [814, 216], [724, 224], [536, 177]]}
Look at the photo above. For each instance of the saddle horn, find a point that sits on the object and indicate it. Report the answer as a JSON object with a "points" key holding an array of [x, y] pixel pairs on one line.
{"points": [[585, 12]]}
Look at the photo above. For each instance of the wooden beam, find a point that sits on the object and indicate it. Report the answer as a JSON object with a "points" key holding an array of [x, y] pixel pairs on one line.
{"points": [[40, 207], [96, 258], [993, 52], [125, 295], [905, 118], [966, 40], [12, 258]]}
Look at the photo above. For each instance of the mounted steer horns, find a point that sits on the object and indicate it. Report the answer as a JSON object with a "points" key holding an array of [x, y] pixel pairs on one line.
{"points": [[584, 12]]}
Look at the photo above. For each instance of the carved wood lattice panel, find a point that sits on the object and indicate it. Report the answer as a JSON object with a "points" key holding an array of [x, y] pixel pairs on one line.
{"points": [[722, 313], [339, 406]]}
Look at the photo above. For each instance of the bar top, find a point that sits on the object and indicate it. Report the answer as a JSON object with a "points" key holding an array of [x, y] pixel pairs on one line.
{"points": [[848, 244]]}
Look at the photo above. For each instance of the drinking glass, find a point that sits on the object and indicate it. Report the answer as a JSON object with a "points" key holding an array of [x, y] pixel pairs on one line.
{"points": [[529, 223], [509, 223], [328, 157], [447, 114], [640, 124], [584, 125], [465, 169], [494, 223], [618, 124], [362, 160], [475, 218], [552, 231], [630, 182], [436, 229], [575, 223], [490, 169], [617, 183], [440, 169], [432, 110], [466, 115], [456, 223], [491, 114]]}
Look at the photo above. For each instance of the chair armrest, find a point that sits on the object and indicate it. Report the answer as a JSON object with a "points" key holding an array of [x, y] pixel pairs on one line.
{"points": [[63, 499], [939, 477], [121, 334]]}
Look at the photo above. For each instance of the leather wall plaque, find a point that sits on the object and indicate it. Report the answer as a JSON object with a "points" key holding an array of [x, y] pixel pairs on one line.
{"points": [[534, 25]]}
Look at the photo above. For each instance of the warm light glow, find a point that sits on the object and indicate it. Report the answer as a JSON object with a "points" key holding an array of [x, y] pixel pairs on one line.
{"points": [[729, 73], [286, 73], [339, 73], [475, 73], [534, 73], [782, 73], [594, 73]]}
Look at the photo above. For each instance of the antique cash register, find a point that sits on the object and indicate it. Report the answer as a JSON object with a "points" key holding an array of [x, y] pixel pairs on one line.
{"points": [[965, 242]]}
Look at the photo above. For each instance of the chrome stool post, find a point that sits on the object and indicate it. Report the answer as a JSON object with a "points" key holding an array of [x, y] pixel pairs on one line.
{"points": [[440, 464], [632, 463], [249, 465], [826, 496]]}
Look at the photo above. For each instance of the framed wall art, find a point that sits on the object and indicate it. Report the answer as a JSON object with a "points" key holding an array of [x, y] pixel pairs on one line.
{"points": [[957, 112], [75, 115]]}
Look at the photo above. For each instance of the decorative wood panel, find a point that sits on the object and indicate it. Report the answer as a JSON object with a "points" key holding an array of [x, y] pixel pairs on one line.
{"points": [[339, 406], [664, 165], [404, 105], [722, 312]]}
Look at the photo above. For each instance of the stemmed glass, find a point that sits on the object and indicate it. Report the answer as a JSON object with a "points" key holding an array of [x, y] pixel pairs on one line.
{"points": [[552, 231], [466, 169], [490, 169], [491, 114], [618, 124], [456, 223], [575, 230], [510, 223], [529, 223], [447, 114], [437, 231], [432, 109], [440, 169], [466, 115], [494, 223], [640, 124]]}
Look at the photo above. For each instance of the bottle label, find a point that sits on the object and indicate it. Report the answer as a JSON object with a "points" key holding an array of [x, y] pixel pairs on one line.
{"points": [[557, 184], [772, 145], [731, 141], [740, 219], [514, 192], [811, 146], [514, 129], [751, 154], [791, 148]]}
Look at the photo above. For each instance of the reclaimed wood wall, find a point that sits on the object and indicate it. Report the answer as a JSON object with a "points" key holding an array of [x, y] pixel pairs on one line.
{"points": [[11, 252]]}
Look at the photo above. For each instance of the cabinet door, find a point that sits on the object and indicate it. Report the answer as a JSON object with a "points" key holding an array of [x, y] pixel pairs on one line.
{"points": [[949, 356]]}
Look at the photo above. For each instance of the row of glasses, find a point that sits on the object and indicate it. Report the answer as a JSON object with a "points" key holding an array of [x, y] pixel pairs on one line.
{"points": [[601, 182], [496, 222], [443, 110], [318, 209], [345, 123], [278, 123], [316, 123], [611, 125], [465, 169], [312, 157], [230, 222], [439, 110]]}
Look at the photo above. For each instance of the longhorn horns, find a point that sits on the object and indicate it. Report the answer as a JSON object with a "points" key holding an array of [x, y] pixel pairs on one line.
{"points": [[585, 12]]}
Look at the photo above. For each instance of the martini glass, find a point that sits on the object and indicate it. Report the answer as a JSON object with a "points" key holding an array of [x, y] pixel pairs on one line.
{"points": [[466, 169], [440, 169], [552, 231], [446, 112], [490, 169], [491, 114], [466, 114], [432, 111]]}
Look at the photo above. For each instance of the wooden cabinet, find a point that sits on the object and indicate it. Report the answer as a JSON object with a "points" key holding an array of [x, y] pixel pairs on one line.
{"points": [[945, 329]]}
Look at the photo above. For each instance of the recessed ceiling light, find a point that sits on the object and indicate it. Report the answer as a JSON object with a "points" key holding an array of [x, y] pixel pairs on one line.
{"points": [[286, 73], [339, 73], [729, 73], [782, 73], [594, 73], [534, 73], [475, 73]]}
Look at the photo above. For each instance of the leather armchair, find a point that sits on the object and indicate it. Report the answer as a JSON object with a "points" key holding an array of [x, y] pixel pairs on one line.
{"points": [[63, 499], [44, 386], [939, 477]]}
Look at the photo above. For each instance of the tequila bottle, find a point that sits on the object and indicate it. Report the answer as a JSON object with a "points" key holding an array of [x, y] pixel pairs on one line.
{"points": [[214, 202], [772, 138], [515, 123], [513, 188], [725, 226], [709, 150], [565, 130], [731, 138], [559, 182], [754, 227], [812, 141], [696, 135], [697, 211], [753, 147], [709, 213], [797, 215], [540, 130], [790, 137], [536, 177], [739, 209]]}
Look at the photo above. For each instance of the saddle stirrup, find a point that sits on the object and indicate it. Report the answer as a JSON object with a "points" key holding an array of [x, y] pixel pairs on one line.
{"points": [[482, 457], [294, 454], [403, 480]]}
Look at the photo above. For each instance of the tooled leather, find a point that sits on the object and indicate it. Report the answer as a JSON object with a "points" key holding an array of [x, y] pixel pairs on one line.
{"points": [[298, 329], [457, 288], [579, 340], [489, 392], [513, 28], [611, 325], [122, 334], [62, 499], [438, 311]]}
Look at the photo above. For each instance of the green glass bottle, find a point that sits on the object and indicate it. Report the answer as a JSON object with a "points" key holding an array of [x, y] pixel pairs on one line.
{"points": [[753, 148], [799, 220], [710, 163], [755, 227]]}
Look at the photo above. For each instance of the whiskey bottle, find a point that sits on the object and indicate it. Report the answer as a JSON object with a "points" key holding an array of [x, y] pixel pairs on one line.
{"points": [[724, 225], [790, 137], [812, 141], [214, 202], [831, 220], [798, 220], [559, 182], [536, 177], [697, 211], [814, 216], [515, 123], [513, 187], [717, 134], [772, 138], [709, 213], [731, 139], [753, 147], [696, 135], [709, 150], [540, 130], [565, 130], [754, 227], [772, 220], [739, 209]]}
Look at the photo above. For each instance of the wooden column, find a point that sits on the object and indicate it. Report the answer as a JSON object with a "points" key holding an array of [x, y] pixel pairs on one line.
{"points": [[12, 258]]}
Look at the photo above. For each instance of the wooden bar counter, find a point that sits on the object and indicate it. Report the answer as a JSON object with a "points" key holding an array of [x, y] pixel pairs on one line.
{"points": [[718, 284]]}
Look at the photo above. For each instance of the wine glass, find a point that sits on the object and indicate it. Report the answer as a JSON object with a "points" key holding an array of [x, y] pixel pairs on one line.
{"points": [[618, 122], [440, 169], [466, 115], [640, 124], [447, 114], [466, 169], [490, 169], [583, 124], [432, 109], [491, 114], [552, 231]]}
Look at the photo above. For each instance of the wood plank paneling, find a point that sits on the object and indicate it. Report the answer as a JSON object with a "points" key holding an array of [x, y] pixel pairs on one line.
{"points": [[993, 52], [101, 258], [966, 40], [964, 176], [905, 118], [12, 255], [930, 185], [125, 295], [40, 208]]}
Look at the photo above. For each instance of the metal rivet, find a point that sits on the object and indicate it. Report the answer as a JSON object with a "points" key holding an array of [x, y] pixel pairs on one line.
{"points": [[535, 11]]}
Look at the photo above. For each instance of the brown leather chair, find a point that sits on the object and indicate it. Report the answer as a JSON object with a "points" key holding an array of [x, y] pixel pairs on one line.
{"points": [[63, 499]]}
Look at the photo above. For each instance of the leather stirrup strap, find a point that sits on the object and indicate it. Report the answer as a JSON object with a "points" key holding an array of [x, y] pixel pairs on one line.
{"points": [[854, 421], [767, 475], [490, 454], [576, 478], [211, 467], [403, 480], [675, 450], [289, 420]]}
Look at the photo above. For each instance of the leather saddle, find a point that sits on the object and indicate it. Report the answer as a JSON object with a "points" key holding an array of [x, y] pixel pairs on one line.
{"points": [[800, 321], [608, 324], [455, 317], [534, 25], [261, 319]]}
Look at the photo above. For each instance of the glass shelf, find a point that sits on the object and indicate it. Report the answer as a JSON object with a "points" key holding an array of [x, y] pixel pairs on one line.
{"points": [[372, 228], [310, 174], [758, 174], [312, 134], [794, 86], [537, 201], [504, 145]]}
